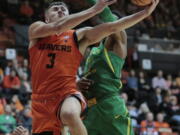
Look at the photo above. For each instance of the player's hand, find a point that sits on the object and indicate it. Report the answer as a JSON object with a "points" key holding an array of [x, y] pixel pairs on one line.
{"points": [[83, 84], [101, 4], [152, 7], [20, 131]]}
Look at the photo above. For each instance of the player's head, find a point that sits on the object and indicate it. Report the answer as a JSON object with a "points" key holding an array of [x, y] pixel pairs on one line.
{"points": [[118, 16], [56, 10]]}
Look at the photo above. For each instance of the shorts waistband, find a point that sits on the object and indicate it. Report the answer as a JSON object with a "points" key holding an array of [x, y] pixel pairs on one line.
{"points": [[45, 96], [51, 96]]}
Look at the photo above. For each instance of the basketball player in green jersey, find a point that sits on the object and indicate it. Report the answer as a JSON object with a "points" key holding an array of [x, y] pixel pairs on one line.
{"points": [[107, 113]]}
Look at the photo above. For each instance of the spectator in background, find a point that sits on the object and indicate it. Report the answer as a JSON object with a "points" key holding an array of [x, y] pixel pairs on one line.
{"points": [[175, 90], [162, 126], [7, 35], [8, 68], [143, 109], [132, 59], [143, 82], [170, 48], [3, 37], [37, 7], [132, 81], [154, 100], [178, 79], [158, 96], [165, 106], [11, 81], [28, 105], [2, 105], [158, 48], [16, 104], [7, 121], [25, 84], [175, 109], [26, 67], [8, 22], [10, 34], [143, 88], [1, 76], [159, 81], [124, 96], [25, 118], [21, 68], [26, 11], [148, 126], [169, 81], [13, 6], [124, 77], [25, 88], [133, 112], [132, 85], [11, 84]]}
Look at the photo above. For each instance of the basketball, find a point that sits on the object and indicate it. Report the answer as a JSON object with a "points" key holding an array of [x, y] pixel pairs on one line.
{"points": [[141, 2]]}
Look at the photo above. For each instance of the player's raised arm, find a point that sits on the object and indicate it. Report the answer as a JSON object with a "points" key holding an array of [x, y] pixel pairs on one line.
{"points": [[58, 19], [92, 35]]}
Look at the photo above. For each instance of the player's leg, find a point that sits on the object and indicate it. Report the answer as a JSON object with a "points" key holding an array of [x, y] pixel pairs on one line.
{"points": [[120, 126], [125, 127], [70, 116], [118, 115], [92, 121]]}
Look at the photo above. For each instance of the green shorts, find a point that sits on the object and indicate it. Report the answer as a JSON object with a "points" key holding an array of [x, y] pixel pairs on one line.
{"points": [[108, 117]]}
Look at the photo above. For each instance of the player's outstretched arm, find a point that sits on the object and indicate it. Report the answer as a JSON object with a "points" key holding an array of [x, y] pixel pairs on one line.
{"points": [[40, 29], [89, 35]]}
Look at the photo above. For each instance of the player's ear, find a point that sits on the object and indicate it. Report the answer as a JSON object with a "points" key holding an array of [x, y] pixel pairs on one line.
{"points": [[46, 20], [46, 17]]}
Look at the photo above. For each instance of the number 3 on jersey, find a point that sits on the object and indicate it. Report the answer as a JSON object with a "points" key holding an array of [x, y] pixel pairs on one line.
{"points": [[52, 57]]}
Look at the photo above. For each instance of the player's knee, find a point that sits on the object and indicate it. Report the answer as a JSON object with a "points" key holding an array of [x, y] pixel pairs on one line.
{"points": [[69, 117]]}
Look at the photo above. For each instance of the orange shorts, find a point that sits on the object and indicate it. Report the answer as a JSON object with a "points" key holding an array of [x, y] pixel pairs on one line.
{"points": [[44, 112]]}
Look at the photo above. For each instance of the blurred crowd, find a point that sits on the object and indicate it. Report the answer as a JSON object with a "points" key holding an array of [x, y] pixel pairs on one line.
{"points": [[15, 91], [152, 100]]}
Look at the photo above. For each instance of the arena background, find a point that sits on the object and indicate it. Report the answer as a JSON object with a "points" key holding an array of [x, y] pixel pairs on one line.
{"points": [[151, 75]]}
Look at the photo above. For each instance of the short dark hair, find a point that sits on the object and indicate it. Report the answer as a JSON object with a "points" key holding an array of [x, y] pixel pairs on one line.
{"points": [[117, 14], [57, 3]]}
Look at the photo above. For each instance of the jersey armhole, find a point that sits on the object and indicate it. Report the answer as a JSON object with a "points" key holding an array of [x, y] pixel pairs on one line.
{"points": [[76, 39]]}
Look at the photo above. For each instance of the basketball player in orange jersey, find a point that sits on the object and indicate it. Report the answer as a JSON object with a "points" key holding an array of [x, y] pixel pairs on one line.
{"points": [[55, 54], [54, 59]]}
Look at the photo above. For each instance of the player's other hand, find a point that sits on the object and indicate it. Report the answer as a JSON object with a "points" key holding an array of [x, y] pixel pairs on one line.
{"points": [[152, 7], [84, 84], [20, 131], [101, 4]]}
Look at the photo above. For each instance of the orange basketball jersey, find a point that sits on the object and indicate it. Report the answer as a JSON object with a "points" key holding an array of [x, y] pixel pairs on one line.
{"points": [[54, 61]]}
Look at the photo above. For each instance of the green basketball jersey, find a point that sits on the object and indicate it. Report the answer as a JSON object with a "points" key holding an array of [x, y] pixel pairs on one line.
{"points": [[104, 68]]}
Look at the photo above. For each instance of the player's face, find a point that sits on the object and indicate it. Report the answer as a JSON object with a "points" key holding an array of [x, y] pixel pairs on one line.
{"points": [[55, 12]]}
